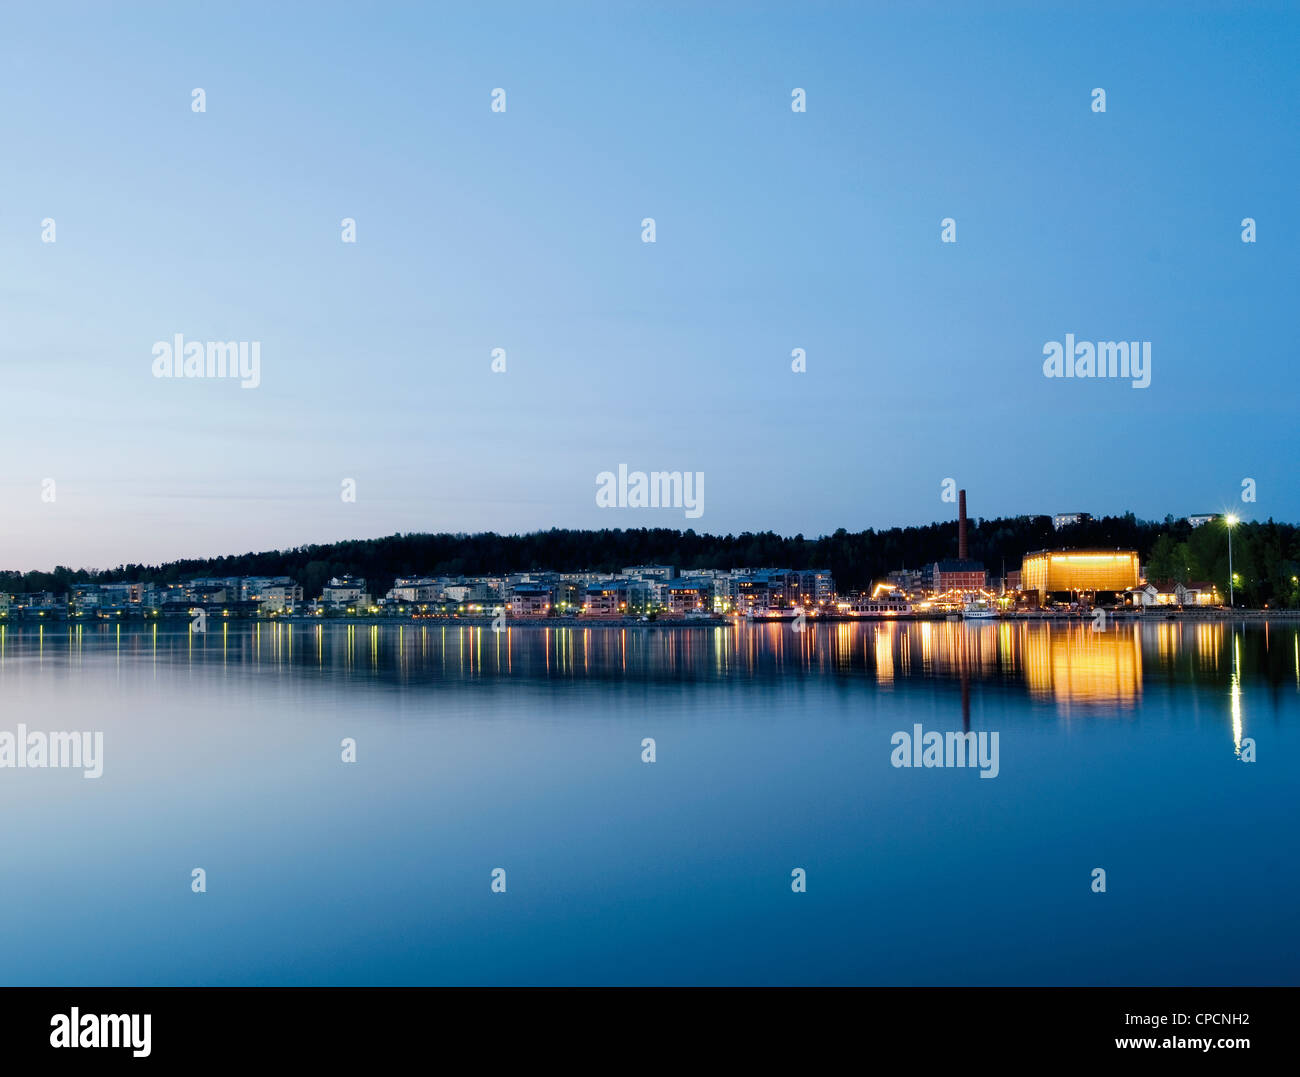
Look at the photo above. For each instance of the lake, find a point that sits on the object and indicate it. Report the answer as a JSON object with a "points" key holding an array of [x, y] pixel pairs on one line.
{"points": [[1156, 753]]}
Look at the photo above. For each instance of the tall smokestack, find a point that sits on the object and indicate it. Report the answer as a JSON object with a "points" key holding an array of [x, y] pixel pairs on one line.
{"points": [[961, 524]]}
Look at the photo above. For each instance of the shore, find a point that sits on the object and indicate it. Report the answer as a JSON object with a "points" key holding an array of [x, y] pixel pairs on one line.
{"points": [[1123, 616]]}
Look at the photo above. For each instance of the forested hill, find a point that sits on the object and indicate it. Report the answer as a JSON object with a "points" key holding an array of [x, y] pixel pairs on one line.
{"points": [[1265, 555]]}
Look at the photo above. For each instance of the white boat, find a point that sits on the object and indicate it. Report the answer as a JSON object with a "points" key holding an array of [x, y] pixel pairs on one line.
{"points": [[884, 601], [871, 608], [761, 613], [979, 609]]}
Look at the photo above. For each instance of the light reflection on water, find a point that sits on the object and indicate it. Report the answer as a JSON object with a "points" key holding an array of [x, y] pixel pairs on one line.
{"points": [[1067, 664], [1121, 749]]}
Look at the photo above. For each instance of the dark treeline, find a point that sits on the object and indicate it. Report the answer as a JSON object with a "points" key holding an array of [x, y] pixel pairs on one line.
{"points": [[1266, 556]]}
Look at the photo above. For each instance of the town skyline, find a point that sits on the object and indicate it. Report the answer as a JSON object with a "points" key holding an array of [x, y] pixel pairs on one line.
{"points": [[970, 555]]}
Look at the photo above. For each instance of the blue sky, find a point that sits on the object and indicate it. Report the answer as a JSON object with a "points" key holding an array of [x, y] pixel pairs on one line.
{"points": [[522, 230]]}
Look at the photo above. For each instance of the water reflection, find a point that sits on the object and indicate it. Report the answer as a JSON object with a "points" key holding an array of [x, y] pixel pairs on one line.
{"points": [[527, 744], [1071, 666]]}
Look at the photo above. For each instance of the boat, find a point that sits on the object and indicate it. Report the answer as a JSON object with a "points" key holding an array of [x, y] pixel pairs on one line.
{"points": [[876, 608], [759, 613], [979, 609], [884, 601]]}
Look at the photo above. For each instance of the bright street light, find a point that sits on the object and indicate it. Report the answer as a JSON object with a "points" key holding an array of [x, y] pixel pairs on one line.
{"points": [[1231, 521]]}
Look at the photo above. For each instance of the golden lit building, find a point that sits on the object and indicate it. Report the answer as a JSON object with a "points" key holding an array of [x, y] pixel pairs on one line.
{"points": [[1051, 572]]}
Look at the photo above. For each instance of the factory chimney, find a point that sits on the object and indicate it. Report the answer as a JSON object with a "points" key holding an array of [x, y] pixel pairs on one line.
{"points": [[961, 525]]}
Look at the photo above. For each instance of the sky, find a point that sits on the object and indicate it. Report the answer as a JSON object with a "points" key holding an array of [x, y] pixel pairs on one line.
{"points": [[522, 230]]}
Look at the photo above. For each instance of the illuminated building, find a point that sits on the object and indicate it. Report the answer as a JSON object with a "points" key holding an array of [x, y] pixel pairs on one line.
{"points": [[616, 598], [689, 595], [344, 591], [1172, 593], [771, 588], [957, 575], [1069, 519], [817, 585], [1073, 572], [415, 589], [531, 600], [1145, 594], [1198, 593]]}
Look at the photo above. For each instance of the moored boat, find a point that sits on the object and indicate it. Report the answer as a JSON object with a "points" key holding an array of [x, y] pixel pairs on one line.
{"points": [[979, 609]]}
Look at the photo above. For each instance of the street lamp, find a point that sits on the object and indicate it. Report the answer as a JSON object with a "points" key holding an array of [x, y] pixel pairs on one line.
{"points": [[1231, 521]]}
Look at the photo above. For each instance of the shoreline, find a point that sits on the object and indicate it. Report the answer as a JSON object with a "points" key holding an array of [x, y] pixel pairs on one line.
{"points": [[1028, 617]]}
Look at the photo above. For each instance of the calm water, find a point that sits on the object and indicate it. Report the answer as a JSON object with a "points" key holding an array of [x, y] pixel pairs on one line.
{"points": [[1120, 750]]}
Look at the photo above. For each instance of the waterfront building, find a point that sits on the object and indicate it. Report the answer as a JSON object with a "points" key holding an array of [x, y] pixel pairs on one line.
{"points": [[93, 597], [274, 592], [343, 591], [120, 595], [616, 598], [1144, 594], [96, 597], [40, 601], [1203, 518], [1066, 573], [689, 595], [474, 591], [277, 597], [531, 600], [767, 589], [957, 574], [655, 577], [84, 597], [414, 590], [1166, 593], [568, 594], [213, 594], [817, 586], [169, 596], [1197, 593]]}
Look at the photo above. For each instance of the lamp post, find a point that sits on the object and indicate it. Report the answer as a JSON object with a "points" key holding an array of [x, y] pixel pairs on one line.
{"points": [[1231, 521]]}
